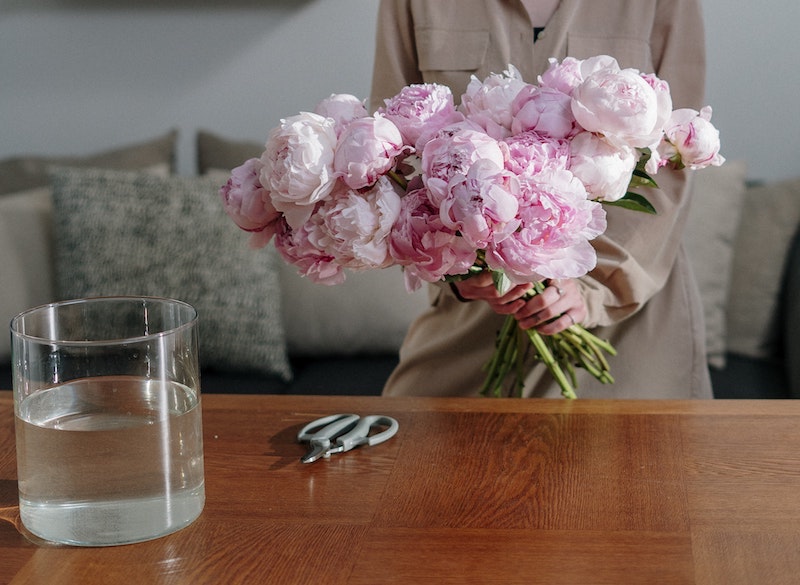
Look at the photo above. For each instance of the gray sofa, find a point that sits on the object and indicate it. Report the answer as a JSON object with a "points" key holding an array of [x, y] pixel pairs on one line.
{"points": [[776, 372], [743, 240], [120, 222], [265, 330]]}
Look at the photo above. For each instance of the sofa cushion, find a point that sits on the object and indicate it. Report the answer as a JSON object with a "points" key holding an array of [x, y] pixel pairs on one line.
{"points": [[746, 378], [770, 219], [26, 262], [120, 233], [369, 313], [358, 375], [29, 172], [26, 253], [215, 152], [716, 207]]}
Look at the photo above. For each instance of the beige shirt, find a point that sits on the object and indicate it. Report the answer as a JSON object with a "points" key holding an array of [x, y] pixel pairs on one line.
{"points": [[642, 295]]}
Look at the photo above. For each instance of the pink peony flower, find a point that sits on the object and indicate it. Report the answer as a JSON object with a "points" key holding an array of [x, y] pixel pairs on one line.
{"points": [[248, 204], [452, 152], [303, 248], [357, 225], [620, 105], [664, 100], [510, 181], [558, 221], [488, 102], [597, 63], [568, 74], [604, 169], [420, 111], [342, 108], [427, 249], [562, 76], [367, 148], [529, 153], [298, 165], [547, 111], [482, 205], [691, 139]]}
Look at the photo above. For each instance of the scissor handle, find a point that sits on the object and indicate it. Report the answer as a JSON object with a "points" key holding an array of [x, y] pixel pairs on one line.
{"points": [[327, 427], [359, 435]]}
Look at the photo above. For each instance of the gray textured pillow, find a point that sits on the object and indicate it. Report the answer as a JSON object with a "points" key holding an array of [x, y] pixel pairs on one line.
{"points": [[118, 232]]}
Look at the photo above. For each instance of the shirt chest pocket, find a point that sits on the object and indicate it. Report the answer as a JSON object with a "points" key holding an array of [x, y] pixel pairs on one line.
{"points": [[630, 52], [440, 50]]}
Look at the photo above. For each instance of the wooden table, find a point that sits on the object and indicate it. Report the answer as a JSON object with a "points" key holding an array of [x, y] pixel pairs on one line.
{"points": [[469, 491]]}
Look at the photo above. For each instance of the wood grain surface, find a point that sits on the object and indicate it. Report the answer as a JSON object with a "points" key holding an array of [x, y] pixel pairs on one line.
{"points": [[468, 491]]}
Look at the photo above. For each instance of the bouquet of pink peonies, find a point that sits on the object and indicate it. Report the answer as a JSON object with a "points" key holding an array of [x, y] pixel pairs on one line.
{"points": [[512, 180]]}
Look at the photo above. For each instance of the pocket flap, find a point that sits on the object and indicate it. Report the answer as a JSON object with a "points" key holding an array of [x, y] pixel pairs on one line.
{"points": [[451, 50]]}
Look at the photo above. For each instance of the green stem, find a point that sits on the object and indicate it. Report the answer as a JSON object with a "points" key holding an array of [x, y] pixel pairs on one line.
{"points": [[399, 179], [498, 366], [560, 354], [547, 358]]}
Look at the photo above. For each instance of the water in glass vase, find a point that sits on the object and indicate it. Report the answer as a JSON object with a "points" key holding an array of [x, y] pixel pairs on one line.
{"points": [[110, 460]]}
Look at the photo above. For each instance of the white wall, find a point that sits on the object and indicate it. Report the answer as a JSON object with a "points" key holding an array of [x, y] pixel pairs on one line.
{"points": [[753, 82], [82, 75], [77, 76]]}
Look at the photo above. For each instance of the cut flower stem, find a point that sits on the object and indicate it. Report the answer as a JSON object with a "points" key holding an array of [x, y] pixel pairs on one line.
{"points": [[560, 353]]}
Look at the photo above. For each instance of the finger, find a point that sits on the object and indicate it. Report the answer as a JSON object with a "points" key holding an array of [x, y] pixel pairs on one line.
{"points": [[472, 288], [541, 312], [529, 319], [507, 308], [557, 325], [476, 286], [514, 293], [511, 302], [545, 306], [556, 285], [488, 292]]}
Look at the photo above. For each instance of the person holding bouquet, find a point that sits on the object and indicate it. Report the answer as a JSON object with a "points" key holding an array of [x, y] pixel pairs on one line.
{"points": [[641, 296]]}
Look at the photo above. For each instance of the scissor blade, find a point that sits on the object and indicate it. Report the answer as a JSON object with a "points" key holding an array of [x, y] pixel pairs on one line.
{"points": [[317, 451]]}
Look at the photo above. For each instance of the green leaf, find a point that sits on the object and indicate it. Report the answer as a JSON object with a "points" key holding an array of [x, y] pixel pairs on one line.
{"points": [[642, 179], [501, 282], [634, 202]]}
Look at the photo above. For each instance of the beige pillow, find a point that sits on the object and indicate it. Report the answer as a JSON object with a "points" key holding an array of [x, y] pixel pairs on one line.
{"points": [[369, 313], [770, 219], [26, 264], [26, 257], [717, 196], [216, 152], [29, 172]]}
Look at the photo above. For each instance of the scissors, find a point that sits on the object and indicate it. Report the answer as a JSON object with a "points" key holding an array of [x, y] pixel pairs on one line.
{"points": [[338, 433]]}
